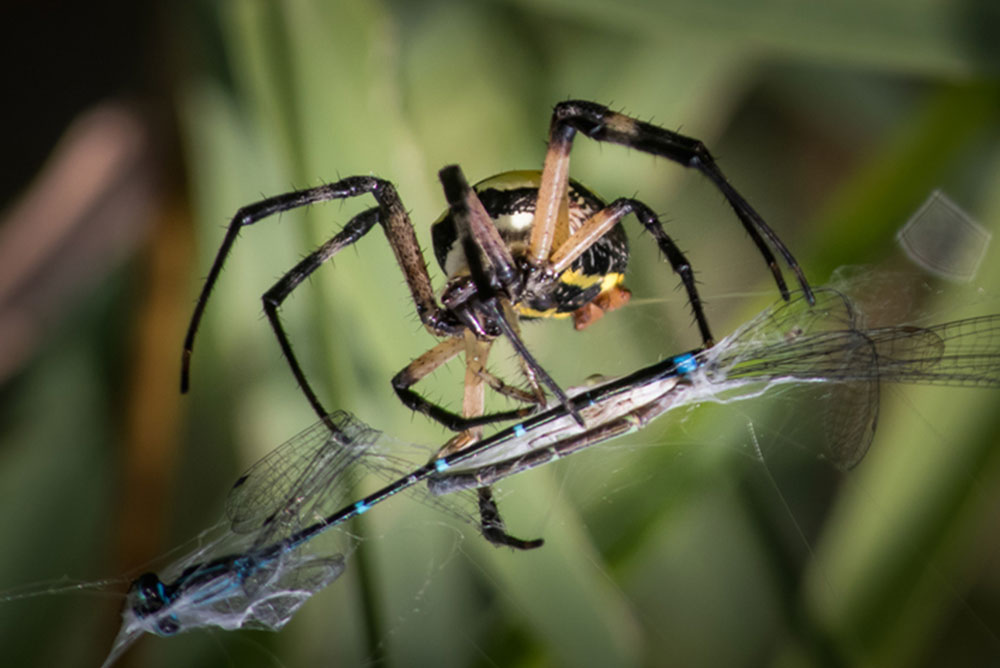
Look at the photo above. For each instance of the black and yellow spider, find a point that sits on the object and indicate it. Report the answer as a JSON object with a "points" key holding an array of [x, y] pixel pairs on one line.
{"points": [[523, 244]]}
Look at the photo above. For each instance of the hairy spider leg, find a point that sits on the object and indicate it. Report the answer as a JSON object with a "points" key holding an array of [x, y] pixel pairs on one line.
{"points": [[598, 225], [601, 124], [427, 363], [356, 228], [493, 271], [391, 215], [491, 524], [398, 229]]}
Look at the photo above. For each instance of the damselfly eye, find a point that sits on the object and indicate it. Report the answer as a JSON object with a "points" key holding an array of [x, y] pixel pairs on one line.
{"points": [[168, 626], [146, 595]]}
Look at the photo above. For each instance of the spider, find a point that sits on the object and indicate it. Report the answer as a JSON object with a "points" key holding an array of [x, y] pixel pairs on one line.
{"points": [[522, 244]]}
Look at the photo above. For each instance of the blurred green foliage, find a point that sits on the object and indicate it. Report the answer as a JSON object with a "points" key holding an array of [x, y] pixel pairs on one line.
{"points": [[677, 546]]}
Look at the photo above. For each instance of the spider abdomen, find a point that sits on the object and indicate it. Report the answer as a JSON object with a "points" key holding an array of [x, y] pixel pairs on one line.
{"points": [[509, 199]]}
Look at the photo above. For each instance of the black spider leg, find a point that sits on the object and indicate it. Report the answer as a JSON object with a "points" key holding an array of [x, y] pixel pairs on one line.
{"points": [[356, 228], [493, 528], [522, 351], [395, 222], [678, 261], [601, 222], [481, 241], [402, 383], [600, 123]]}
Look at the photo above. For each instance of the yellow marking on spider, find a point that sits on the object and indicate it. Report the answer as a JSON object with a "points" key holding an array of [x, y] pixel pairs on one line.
{"points": [[611, 281], [578, 279], [528, 312], [518, 178]]}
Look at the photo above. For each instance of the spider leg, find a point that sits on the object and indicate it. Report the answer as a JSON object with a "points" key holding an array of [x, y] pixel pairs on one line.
{"points": [[537, 393], [493, 528], [474, 393], [426, 364], [535, 396], [511, 391], [552, 204], [598, 225], [491, 524], [492, 270], [601, 124], [390, 215], [477, 231], [356, 228], [532, 363]]}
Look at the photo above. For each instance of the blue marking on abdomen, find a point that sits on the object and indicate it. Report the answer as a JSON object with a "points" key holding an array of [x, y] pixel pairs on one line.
{"points": [[686, 363]]}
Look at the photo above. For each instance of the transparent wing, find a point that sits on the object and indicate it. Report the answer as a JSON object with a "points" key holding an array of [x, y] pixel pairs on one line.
{"points": [[963, 353], [790, 338], [301, 478]]}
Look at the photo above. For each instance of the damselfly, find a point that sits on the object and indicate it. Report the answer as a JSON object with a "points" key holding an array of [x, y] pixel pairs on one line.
{"points": [[282, 502]]}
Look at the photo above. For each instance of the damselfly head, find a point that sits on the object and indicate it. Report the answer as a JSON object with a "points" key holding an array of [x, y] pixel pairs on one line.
{"points": [[146, 597]]}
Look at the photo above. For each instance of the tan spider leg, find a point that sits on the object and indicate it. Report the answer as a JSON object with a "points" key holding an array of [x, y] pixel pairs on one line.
{"points": [[474, 395], [429, 361], [509, 391], [477, 378], [552, 205], [474, 405], [577, 244]]}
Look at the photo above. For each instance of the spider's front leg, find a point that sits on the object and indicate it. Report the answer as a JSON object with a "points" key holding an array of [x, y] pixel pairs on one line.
{"points": [[398, 229], [482, 299], [601, 124]]}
